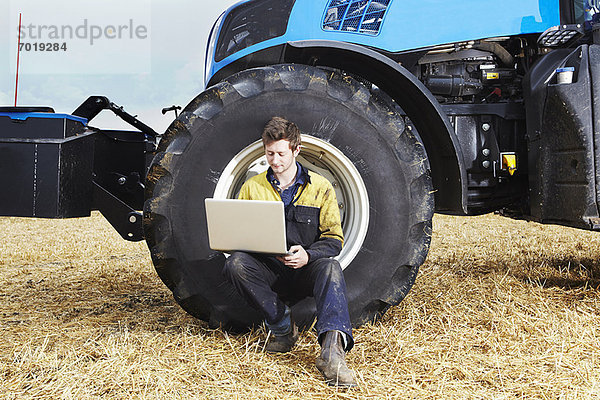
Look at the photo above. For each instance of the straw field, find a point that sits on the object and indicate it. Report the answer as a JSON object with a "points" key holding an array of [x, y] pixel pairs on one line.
{"points": [[502, 309]]}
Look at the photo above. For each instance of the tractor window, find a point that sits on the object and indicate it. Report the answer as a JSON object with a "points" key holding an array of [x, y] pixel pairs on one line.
{"points": [[251, 23], [584, 10]]}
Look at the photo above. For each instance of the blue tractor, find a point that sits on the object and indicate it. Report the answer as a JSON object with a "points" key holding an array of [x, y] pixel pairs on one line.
{"points": [[407, 107]]}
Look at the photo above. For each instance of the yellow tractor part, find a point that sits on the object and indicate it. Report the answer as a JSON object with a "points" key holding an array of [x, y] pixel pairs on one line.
{"points": [[509, 162]]}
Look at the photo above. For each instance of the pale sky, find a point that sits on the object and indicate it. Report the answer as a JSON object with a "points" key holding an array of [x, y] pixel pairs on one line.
{"points": [[158, 64]]}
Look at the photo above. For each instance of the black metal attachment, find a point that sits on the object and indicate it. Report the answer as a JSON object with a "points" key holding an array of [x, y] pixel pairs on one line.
{"points": [[57, 167], [172, 108], [95, 104], [122, 217], [120, 165]]}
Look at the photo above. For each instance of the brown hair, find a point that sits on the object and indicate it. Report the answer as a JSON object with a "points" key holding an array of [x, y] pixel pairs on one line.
{"points": [[279, 128]]}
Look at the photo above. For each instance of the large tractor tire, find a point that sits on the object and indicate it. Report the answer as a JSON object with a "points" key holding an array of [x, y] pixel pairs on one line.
{"points": [[353, 137]]}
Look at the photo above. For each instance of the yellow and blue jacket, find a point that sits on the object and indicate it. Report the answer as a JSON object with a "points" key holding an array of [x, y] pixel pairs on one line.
{"points": [[312, 217]]}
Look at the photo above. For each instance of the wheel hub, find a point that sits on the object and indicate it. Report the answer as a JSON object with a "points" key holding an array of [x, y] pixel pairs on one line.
{"points": [[320, 157]]}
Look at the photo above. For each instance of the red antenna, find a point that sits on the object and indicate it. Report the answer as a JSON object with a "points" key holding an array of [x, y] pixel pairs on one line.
{"points": [[18, 54]]}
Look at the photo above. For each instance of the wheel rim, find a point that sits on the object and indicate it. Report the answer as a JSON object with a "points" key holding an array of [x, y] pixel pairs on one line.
{"points": [[319, 156]]}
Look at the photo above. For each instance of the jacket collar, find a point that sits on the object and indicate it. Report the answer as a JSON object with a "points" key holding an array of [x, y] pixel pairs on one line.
{"points": [[302, 176]]}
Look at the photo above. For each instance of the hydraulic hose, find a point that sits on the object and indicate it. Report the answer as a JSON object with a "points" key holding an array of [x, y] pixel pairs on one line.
{"points": [[504, 56]]}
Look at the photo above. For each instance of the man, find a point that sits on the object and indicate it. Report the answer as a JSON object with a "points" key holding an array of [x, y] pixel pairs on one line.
{"points": [[314, 234]]}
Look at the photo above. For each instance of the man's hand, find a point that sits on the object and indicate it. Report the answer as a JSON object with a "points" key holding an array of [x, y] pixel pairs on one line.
{"points": [[298, 258]]}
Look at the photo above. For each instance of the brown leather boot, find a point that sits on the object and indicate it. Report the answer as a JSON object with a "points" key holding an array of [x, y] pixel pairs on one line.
{"points": [[332, 361], [283, 344]]}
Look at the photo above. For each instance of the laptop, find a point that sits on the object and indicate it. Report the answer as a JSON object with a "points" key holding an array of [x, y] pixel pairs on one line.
{"points": [[253, 226]]}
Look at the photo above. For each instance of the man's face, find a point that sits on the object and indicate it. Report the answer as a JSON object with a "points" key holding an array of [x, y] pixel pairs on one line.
{"points": [[280, 157]]}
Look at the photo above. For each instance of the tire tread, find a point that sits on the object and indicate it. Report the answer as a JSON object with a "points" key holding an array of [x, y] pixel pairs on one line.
{"points": [[292, 78]]}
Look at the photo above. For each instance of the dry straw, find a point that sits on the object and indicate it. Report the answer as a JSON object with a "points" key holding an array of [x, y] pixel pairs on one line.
{"points": [[502, 309]]}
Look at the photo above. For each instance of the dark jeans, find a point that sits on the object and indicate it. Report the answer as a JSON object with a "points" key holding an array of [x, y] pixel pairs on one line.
{"points": [[267, 285]]}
